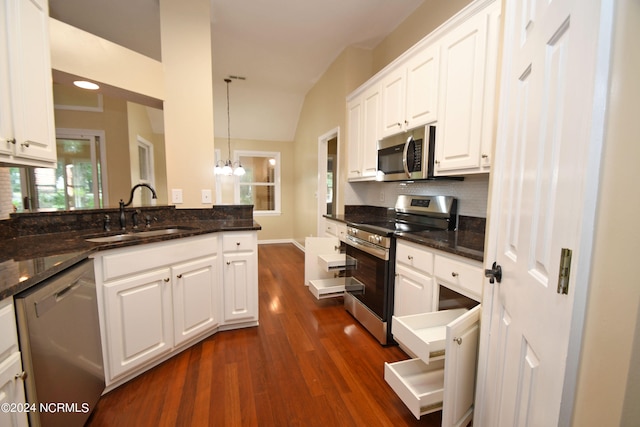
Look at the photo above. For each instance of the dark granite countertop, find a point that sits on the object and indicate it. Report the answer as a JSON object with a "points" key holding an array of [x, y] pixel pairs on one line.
{"points": [[467, 241], [31, 252]]}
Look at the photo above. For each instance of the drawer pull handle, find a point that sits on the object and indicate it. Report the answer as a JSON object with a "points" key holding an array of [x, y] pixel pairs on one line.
{"points": [[167, 280], [458, 340], [454, 274], [21, 376], [179, 276]]}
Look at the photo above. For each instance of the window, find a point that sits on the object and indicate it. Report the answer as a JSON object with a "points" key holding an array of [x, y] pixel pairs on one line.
{"points": [[260, 185]]}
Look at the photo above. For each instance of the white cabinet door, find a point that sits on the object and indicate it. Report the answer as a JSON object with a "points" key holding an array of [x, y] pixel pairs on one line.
{"points": [[354, 138], [394, 88], [12, 392], [240, 287], [370, 132], [363, 121], [138, 320], [461, 355], [422, 88], [413, 292], [29, 84], [196, 298], [462, 74], [427, 384]]}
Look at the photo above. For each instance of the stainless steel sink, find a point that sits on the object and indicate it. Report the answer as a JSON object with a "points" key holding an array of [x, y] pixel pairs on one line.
{"points": [[114, 238]]}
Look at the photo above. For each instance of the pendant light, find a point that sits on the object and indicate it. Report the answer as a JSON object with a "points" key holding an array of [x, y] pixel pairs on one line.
{"points": [[229, 168]]}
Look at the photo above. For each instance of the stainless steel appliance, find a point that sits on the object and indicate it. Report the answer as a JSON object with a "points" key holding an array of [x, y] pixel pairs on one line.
{"points": [[61, 351], [407, 156], [370, 250]]}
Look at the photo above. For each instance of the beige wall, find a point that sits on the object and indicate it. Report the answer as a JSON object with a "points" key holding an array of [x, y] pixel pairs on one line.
{"points": [[98, 59], [274, 227], [323, 110], [429, 16], [609, 376], [324, 107], [139, 124], [113, 121], [188, 102]]}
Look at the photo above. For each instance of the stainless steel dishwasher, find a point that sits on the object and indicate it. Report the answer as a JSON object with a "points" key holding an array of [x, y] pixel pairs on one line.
{"points": [[61, 351]]}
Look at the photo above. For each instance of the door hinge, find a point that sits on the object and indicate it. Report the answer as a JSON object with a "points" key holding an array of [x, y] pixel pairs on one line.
{"points": [[565, 271]]}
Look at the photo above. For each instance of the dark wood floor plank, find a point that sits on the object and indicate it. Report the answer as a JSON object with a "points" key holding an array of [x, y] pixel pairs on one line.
{"points": [[308, 363]]}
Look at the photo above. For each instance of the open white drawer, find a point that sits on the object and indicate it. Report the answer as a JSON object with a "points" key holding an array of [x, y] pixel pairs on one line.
{"points": [[424, 334], [327, 288], [417, 382], [420, 386], [332, 261]]}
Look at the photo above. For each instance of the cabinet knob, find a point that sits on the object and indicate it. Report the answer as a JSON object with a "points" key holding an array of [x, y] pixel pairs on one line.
{"points": [[166, 280], [409, 257], [12, 141], [228, 262], [237, 243], [437, 162], [399, 124], [485, 156], [179, 276], [21, 376], [454, 274], [458, 340], [25, 144]]}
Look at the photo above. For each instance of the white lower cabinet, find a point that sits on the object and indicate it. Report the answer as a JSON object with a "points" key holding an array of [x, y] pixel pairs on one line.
{"points": [[443, 344], [240, 277], [195, 298], [323, 264], [11, 373], [437, 380], [155, 299], [138, 320]]}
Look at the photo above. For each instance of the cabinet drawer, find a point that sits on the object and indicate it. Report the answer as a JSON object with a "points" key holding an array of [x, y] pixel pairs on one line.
{"points": [[425, 334], [419, 386], [122, 262], [235, 242], [8, 331], [414, 256], [462, 275]]}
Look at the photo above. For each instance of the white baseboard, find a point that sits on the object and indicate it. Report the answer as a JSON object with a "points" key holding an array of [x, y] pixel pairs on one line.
{"points": [[280, 241]]}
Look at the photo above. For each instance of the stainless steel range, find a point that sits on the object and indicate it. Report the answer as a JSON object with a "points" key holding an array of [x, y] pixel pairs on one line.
{"points": [[370, 249]]}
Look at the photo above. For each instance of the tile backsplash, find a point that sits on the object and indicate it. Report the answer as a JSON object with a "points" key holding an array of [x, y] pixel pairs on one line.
{"points": [[472, 193]]}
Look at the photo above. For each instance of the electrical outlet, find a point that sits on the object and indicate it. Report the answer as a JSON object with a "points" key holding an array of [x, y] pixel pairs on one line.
{"points": [[176, 196], [206, 196]]}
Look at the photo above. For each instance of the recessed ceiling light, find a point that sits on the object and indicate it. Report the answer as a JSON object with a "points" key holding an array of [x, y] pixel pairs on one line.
{"points": [[86, 85]]}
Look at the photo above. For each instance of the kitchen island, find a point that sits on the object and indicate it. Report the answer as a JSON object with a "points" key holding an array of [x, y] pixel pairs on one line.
{"points": [[36, 246]]}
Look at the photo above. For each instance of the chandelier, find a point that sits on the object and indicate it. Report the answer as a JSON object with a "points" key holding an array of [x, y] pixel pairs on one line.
{"points": [[229, 167]]}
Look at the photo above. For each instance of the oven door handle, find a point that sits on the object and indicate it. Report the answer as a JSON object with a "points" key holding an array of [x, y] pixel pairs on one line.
{"points": [[367, 247]]}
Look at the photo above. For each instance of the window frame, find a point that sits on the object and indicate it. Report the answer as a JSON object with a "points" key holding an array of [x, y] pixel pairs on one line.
{"points": [[237, 154]]}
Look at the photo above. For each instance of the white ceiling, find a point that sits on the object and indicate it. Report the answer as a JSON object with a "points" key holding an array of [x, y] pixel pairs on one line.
{"points": [[282, 47]]}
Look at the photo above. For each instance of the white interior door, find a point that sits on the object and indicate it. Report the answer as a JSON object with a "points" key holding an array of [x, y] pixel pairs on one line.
{"points": [[539, 197]]}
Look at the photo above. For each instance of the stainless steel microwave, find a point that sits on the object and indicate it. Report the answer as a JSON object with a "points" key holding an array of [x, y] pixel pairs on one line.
{"points": [[408, 156]]}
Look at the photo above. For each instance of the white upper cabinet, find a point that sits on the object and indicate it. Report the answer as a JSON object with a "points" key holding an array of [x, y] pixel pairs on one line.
{"points": [[410, 93], [448, 78], [27, 130], [363, 134], [468, 65]]}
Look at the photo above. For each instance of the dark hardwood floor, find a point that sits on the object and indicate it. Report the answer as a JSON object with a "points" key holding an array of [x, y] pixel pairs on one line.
{"points": [[308, 363]]}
